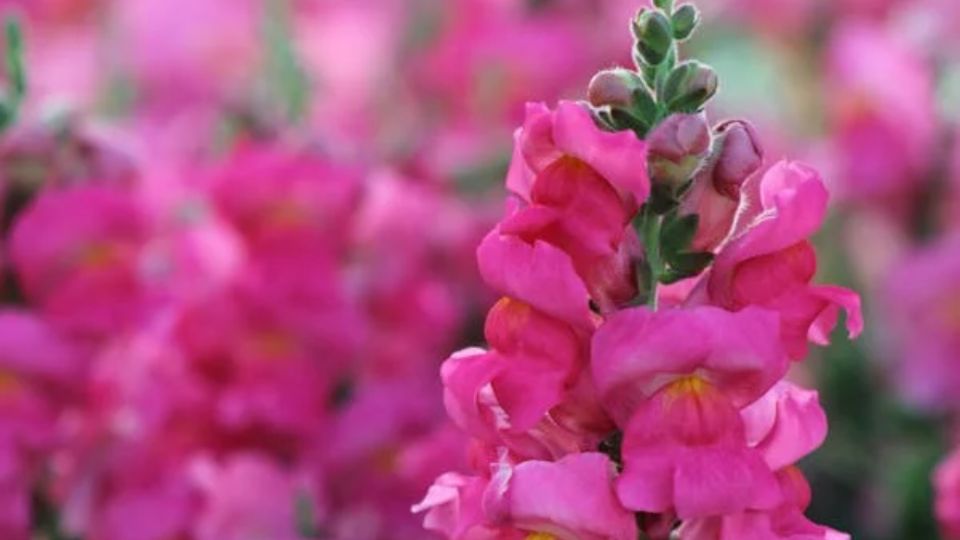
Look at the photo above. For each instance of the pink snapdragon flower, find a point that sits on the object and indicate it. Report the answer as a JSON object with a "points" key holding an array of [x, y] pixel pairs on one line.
{"points": [[249, 498], [675, 380], [885, 133], [946, 482], [37, 372], [716, 191], [921, 296], [580, 186], [77, 253], [285, 202], [784, 425], [179, 62], [768, 261], [572, 498]]}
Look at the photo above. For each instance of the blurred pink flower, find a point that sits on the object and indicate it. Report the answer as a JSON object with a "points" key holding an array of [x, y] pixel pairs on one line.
{"points": [[179, 62], [250, 498], [77, 253], [921, 304], [946, 483], [880, 105]]}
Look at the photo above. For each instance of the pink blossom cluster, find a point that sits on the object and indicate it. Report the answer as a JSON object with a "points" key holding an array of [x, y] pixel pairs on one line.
{"points": [[593, 417], [233, 351]]}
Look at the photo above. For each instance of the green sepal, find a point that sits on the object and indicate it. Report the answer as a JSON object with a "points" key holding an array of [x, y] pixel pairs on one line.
{"points": [[685, 265], [677, 233]]}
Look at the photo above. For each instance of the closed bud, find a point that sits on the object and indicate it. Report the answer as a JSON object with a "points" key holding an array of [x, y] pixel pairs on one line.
{"points": [[738, 155], [689, 86], [654, 34], [685, 21], [613, 87], [677, 147]]}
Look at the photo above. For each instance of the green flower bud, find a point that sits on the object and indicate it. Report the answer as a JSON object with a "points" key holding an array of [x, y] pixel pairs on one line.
{"points": [[689, 86], [654, 35], [613, 87], [685, 21]]}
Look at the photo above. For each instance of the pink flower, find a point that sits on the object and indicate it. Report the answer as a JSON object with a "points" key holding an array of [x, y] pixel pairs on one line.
{"points": [[14, 496], [880, 100], [178, 63], [453, 508], [769, 262], [637, 352], [578, 188], [165, 508], [785, 424], [537, 273], [676, 379], [248, 498], [572, 498], [570, 131], [716, 191], [491, 59], [77, 253], [786, 522], [285, 202], [946, 482], [921, 301]]}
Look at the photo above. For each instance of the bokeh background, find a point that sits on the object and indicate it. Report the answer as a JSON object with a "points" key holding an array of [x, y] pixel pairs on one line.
{"points": [[237, 242]]}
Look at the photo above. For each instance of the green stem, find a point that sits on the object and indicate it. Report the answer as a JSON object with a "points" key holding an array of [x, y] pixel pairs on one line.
{"points": [[651, 245]]}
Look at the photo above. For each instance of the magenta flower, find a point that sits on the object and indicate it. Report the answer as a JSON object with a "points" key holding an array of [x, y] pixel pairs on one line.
{"points": [[769, 261], [77, 253], [675, 380], [922, 304], [885, 132], [572, 498], [250, 497]]}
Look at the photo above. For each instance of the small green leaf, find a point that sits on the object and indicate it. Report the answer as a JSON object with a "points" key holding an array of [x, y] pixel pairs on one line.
{"points": [[625, 120]]}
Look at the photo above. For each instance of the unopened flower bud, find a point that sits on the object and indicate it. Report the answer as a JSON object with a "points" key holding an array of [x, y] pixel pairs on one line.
{"points": [[685, 21], [738, 155], [613, 87], [715, 193], [677, 147], [654, 34], [680, 136], [689, 86]]}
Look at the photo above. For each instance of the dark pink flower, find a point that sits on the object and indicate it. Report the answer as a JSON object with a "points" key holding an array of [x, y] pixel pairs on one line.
{"points": [[769, 261]]}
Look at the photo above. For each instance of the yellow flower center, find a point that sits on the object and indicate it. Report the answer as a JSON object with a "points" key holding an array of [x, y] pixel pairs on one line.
{"points": [[540, 536], [689, 385], [9, 383], [98, 255]]}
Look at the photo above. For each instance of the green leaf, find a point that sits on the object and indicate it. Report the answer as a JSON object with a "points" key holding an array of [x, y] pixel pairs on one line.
{"points": [[624, 120]]}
